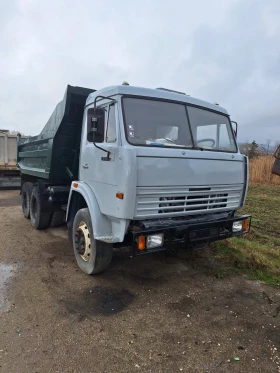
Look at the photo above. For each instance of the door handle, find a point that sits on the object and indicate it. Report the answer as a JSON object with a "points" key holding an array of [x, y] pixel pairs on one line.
{"points": [[85, 165]]}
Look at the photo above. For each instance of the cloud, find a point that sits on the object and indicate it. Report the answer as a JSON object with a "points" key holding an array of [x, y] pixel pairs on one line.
{"points": [[238, 65], [218, 51]]}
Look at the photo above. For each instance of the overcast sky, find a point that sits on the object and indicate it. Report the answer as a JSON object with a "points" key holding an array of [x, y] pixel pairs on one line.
{"points": [[225, 51]]}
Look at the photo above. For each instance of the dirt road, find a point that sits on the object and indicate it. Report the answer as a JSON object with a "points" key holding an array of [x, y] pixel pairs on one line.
{"points": [[149, 314]]}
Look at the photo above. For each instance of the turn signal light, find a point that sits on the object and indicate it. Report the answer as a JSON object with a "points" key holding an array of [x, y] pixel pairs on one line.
{"points": [[75, 185], [141, 243], [119, 195], [245, 225]]}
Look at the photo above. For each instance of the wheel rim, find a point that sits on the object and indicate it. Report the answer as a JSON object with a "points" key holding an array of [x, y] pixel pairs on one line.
{"points": [[34, 207], [82, 241]]}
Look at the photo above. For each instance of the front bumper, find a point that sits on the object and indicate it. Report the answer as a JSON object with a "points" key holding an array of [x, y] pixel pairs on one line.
{"points": [[191, 235]]}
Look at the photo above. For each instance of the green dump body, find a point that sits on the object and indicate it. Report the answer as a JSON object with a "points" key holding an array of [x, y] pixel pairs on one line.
{"points": [[54, 153]]}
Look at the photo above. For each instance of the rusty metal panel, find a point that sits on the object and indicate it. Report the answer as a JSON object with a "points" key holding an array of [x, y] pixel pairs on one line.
{"points": [[276, 167]]}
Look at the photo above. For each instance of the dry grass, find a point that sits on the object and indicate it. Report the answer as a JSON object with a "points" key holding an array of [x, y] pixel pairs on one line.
{"points": [[260, 171], [258, 253]]}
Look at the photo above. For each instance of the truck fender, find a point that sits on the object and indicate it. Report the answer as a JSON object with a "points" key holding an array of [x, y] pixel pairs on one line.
{"points": [[101, 225]]}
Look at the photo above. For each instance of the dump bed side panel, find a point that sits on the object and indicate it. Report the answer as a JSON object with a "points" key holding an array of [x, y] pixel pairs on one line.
{"points": [[54, 153], [8, 151]]}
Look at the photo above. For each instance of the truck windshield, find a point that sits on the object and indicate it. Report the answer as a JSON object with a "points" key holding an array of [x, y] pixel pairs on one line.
{"points": [[156, 123], [161, 123], [211, 131]]}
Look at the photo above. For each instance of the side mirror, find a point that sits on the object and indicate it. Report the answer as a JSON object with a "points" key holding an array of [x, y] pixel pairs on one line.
{"points": [[96, 125], [234, 124]]}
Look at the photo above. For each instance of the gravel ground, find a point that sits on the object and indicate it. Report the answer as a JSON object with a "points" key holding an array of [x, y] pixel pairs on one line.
{"points": [[150, 314]]}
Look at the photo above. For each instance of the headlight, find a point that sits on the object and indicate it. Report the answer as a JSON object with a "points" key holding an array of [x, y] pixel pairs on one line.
{"points": [[237, 226], [154, 241]]}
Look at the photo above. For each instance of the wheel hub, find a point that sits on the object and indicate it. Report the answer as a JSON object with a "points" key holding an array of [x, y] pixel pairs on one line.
{"points": [[82, 241]]}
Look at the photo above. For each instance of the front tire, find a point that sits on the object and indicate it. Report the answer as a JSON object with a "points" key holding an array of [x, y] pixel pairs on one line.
{"points": [[92, 256], [39, 218]]}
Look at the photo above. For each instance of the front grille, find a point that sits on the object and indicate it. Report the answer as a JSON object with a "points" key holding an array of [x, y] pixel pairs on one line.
{"points": [[170, 201], [197, 203]]}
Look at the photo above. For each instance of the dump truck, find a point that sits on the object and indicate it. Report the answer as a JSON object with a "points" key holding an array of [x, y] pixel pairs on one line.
{"points": [[9, 173], [137, 168]]}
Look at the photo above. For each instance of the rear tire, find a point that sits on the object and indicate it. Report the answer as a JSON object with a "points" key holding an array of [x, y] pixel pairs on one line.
{"points": [[39, 219], [57, 218], [92, 256], [25, 199]]}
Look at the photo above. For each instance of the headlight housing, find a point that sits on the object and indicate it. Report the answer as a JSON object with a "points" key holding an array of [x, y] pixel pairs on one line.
{"points": [[237, 226], [155, 240]]}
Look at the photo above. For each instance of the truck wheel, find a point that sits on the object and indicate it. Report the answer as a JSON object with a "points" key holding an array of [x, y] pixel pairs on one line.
{"points": [[25, 199], [39, 218], [57, 218], [92, 256]]}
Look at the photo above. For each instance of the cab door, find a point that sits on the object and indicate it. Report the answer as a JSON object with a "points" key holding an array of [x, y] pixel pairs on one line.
{"points": [[96, 169]]}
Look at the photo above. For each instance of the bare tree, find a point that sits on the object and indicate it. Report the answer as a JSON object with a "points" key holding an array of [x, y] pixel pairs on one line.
{"points": [[267, 148], [251, 149], [244, 147]]}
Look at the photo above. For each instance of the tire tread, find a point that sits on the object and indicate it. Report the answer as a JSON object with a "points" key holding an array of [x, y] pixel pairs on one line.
{"points": [[41, 221], [103, 251], [26, 187]]}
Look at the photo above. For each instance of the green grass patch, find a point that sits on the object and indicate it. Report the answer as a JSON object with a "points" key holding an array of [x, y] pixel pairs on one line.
{"points": [[258, 253]]}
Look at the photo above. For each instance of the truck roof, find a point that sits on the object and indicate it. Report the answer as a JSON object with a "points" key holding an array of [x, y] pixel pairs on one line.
{"points": [[155, 93]]}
